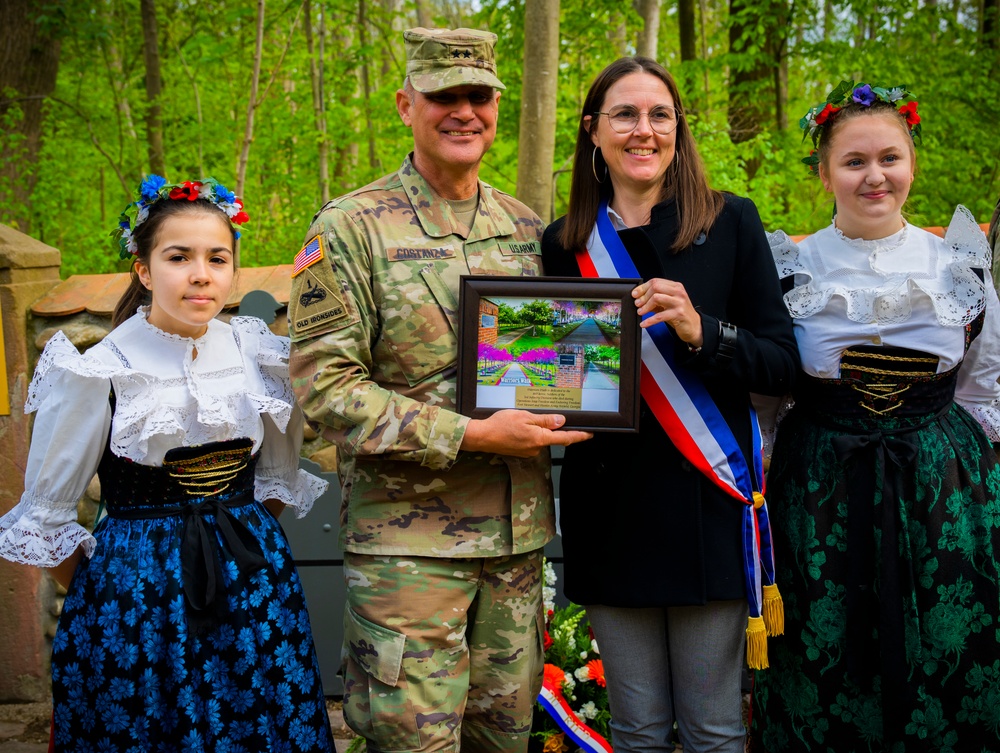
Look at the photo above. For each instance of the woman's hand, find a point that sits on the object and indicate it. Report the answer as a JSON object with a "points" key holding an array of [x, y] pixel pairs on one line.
{"points": [[63, 572], [668, 302], [274, 506]]}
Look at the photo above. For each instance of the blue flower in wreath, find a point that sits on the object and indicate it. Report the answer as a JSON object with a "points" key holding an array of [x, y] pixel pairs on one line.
{"points": [[864, 95], [149, 189], [223, 194]]}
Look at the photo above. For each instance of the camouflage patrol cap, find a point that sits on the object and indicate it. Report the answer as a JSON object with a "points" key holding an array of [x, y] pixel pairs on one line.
{"points": [[439, 59]]}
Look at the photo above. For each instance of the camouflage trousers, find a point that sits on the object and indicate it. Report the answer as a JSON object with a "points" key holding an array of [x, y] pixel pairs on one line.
{"points": [[443, 654]]}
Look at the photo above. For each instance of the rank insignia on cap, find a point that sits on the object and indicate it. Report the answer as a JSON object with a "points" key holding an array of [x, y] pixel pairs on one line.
{"points": [[311, 253]]}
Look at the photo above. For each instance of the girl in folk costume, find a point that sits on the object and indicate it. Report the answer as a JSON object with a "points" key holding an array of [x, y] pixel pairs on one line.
{"points": [[184, 625], [660, 528], [885, 488]]}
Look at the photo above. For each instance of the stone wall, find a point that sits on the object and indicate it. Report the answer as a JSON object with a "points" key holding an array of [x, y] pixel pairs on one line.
{"points": [[28, 269]]}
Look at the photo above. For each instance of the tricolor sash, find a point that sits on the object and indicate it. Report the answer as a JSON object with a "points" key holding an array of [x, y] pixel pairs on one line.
{"points": [[552, 700], [693, 422]]}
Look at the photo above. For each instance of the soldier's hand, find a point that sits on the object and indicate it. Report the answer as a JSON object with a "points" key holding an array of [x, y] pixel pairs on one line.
{"points": [[518, 433]]}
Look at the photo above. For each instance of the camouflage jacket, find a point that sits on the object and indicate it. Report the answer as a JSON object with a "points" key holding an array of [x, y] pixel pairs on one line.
{"points": [[373, 364]]}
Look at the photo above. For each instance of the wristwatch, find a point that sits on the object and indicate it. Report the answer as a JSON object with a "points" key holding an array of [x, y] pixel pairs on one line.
{"points": [[727, 343]]}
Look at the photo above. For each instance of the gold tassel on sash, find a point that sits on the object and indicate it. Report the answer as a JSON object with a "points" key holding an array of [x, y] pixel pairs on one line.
{"points": [[773, 611], [756, 643], [773, 608]]}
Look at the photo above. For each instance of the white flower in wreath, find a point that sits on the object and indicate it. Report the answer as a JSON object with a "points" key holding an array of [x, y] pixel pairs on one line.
{"points": [[569, 684], [550, 574], [582, 674], [593, 646], [588, 710], [548, 599]]}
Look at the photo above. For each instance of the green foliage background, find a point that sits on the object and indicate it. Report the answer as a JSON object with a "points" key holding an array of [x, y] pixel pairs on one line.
{"points": [[94, 127]]}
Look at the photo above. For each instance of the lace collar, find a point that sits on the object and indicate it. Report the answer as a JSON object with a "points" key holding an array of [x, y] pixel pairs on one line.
{"points": [[225, 400], [877, 245], [152, 329], [882, 289]]}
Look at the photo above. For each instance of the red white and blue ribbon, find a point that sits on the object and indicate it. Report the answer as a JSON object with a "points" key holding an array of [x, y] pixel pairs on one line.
{"points": [[689, 415], [555, 706]]}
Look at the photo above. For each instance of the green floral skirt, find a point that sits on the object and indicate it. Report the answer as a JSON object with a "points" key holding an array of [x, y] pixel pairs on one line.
{"points": [[917, 665]]}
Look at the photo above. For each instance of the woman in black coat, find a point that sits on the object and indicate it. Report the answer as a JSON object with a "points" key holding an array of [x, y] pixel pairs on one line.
{"points": [[653, 548]]}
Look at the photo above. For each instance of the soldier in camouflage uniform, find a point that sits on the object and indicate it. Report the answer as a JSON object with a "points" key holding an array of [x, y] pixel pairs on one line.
{"points": [[444, 517]]}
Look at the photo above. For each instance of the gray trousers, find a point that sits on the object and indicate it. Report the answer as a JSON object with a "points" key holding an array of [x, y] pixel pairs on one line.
{"points": [[670, 664]]}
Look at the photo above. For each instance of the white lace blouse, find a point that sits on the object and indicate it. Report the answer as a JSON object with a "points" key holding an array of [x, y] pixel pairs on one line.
{"points": [[170, 391], [911, 290]]}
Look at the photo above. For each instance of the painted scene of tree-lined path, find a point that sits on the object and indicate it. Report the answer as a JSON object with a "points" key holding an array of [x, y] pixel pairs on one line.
{"points": [[548, 354]]}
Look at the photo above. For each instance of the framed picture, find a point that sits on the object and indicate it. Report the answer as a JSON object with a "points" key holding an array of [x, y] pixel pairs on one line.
{"points": [[550, 345]]}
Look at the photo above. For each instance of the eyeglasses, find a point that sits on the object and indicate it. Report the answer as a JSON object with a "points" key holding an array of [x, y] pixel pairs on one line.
{"points": [[625, 119]]}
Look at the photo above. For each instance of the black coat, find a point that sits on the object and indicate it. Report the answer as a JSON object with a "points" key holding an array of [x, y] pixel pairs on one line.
{"points": [[641, 527]]}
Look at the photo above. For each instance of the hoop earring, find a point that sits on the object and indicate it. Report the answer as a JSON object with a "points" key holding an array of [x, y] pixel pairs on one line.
{"points": [[593, 164]]}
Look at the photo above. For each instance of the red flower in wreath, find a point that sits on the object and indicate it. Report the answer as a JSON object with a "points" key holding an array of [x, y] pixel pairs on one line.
{"points": [[828, 112], [240, 217], [547, 641], [553, 677], [909, 111], [187, 191], [595, 668]]}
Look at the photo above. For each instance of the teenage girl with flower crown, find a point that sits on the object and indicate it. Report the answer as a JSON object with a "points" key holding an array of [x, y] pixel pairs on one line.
{"points": [[184, 625], [883, 481]]}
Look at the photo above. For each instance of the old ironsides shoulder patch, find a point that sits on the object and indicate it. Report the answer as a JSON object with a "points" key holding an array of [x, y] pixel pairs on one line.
{"points": [[317, 302], [311, 253]]}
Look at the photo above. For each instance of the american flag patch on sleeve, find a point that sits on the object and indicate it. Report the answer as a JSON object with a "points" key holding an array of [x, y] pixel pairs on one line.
{"points": [[311, 253]]}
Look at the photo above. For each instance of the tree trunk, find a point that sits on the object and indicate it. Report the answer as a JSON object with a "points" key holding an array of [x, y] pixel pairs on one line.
{"points": [[618, 37], [990, 24], [425, 17], [781, 94], [197, 105], [29, 61], [777, 46], [647, 42], [538, 102], [703, 17], [319, 100], [241, 167], [366, 87], [154, 85], [750, 76], [685, 24]]}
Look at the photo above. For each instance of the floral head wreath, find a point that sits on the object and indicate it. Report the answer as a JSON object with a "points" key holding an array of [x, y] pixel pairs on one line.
{"points": [[851, 93], [154, 189]]}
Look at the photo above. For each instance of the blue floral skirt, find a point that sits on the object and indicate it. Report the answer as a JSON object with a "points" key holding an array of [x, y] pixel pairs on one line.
{"points": [[132, 672], [917, 668]]}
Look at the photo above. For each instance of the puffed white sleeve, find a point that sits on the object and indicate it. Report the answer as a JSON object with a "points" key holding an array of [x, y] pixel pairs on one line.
{"points": [[278, 474], [69, 394], [977, 390]]}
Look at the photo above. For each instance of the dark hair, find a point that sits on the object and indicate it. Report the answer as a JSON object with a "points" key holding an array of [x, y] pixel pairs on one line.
{"points": [[850, 112], [136, 294], [685, 180]]}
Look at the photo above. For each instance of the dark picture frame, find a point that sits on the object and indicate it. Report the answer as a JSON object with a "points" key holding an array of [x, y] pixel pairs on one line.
{"points": [[550, 345]]}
